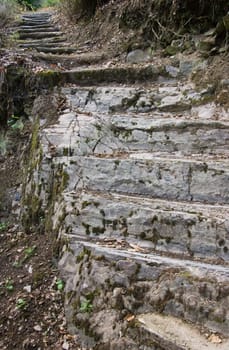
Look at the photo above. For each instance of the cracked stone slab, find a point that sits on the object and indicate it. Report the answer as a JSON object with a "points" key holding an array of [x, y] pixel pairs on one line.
{"points": [[39, 35], [192, 230], [120, 133], [90, 134], [117, 99], [175, 334], [174, 178]]}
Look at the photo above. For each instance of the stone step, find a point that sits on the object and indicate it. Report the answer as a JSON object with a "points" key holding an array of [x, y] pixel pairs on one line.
{"points": [[40, 35], [122, 74], [146, 283], [36, 18], [195, 179], [37, 14], [45, 44], [87, 58], [56, 50], [106, 134], [38, 30], [44, 18], [27, 18], [219, 273], [38, 42], [27, 27], [35, 23], [116, 99], [95, 75], [185, 229], [172, 333]]}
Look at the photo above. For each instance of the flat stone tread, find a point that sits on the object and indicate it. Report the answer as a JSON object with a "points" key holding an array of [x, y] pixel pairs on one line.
{"points": [[44, 45], [60, 49], [35, 23], [79, 58], [217, 161], [196, 268], [44, 26], [43, 41], [121, 74], [32, 20], [154, 121], [151, 121], [177, 334], [38, 30], [220, 212], [45, 33], [157, 100]]}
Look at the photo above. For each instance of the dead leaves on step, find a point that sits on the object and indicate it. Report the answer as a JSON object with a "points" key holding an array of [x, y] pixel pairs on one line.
{"points": [[215, 339], [122, 244]]}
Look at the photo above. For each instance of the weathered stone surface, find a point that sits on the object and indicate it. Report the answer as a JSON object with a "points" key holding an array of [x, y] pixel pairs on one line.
{"points": [[37, 29], [118, 99], [39, 35], [134, 183], [138, 56], [206, 44], [184, 287], [120, 74], [160, 177], [152, 224], [175, 334], [56, 50]]}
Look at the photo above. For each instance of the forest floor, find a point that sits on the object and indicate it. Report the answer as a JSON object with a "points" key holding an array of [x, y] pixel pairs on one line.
{"points": [[31, 291]]}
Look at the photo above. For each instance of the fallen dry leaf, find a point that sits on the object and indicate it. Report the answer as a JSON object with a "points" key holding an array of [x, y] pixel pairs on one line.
{"points": [[136, 248], [130, 318], [214, 338]]}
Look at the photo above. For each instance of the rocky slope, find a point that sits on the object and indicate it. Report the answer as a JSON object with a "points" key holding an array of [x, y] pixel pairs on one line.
{"points": [[131, 179]]}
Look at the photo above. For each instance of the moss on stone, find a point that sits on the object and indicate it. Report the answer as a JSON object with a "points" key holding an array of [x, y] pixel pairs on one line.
{"points": [[49, 78]]}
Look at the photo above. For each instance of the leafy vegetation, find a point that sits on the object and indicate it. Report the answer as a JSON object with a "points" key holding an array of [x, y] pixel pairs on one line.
{"points": [[86, 306], [165, 20], [21, 304], [3, 226], [49, 3], [27, 254], [78, 8], [59, 284], [8, 9], [9, 285]]}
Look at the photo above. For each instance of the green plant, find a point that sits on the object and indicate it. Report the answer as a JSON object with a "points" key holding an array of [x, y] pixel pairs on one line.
{"points": [[47, 3], [3, 226], [9, 285], [15, 123], [86, 306], [59, 284], [28, 253], [8, 9], [21, 304]]}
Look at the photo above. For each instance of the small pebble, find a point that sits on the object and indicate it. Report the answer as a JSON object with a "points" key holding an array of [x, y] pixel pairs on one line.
{"points": [[65, 345], [37, 328]]}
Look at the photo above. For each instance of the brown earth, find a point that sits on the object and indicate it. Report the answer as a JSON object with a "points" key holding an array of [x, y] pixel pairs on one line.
{"points": [[31, 313]]}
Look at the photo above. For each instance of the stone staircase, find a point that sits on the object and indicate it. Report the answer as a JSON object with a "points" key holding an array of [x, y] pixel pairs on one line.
{"points": [[37, 32], [135, 177]]}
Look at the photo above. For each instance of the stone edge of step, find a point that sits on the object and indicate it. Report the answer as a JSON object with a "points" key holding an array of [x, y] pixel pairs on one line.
{"points": [[175, 334]]}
